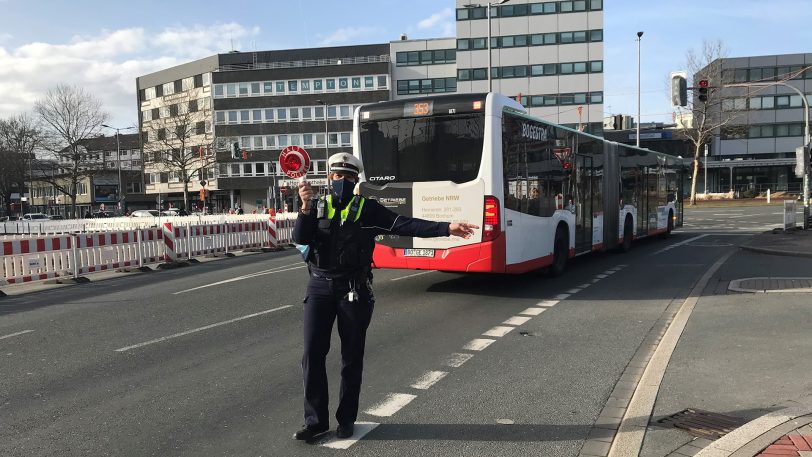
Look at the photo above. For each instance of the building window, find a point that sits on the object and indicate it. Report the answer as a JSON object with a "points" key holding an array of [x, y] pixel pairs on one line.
{"points": [[383, 82], [343, 84], [293, 87], [231, 90], [243, 87]]}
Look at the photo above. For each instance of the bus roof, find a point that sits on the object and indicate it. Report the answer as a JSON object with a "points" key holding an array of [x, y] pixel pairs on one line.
{"points": [[441, 104]]}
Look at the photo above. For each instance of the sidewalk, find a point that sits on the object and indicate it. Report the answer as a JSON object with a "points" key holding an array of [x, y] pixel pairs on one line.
{"points": [[746, 354], [792, 243]]}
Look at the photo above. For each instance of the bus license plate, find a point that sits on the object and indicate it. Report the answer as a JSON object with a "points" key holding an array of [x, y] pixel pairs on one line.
{"points": [[418, 252]]}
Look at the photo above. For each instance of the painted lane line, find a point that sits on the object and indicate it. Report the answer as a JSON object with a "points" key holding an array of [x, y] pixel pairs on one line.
{"points": [[573, 291], [562, 296], [596, 280], [16, 334], [429, 379], [623, 265], [635, 421], [360, 430], [602, 276], [392, 404], [498, 331], [681, 243], [547, 303], [239, 278], [609, 272], [478, 344], [412, 276], [584, 285], [200, 329], [533, 311], [456, 359], [517, 320]]}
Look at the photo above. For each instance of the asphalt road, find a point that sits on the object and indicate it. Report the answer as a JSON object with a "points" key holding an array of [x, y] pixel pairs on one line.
{"points": [[204, 361]]}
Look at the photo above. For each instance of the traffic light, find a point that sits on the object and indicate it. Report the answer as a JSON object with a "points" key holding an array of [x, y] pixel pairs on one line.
{"points": [[703, 90], [679, 89], [236, 153]]}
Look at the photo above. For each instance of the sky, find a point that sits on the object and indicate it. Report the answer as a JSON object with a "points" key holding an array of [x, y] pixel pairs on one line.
{"points": [[104, 45]]}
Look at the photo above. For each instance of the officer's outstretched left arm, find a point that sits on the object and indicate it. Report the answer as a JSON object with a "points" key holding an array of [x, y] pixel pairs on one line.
{"points": [[388, 221]]}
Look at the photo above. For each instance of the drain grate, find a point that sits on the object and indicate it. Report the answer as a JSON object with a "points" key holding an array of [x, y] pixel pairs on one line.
{"points": [[703, 424]]}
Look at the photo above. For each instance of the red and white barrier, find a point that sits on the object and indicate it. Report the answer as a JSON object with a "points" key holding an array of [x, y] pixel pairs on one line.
{"points": [[51, 256], [272, 231], [170, 255], [35, 259]]}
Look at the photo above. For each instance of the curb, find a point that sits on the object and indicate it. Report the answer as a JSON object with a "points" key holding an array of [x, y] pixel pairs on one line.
{"points": [[775, 251], [759, 433]]}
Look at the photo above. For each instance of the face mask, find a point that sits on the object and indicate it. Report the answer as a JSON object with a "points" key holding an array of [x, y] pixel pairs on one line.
{"points": [[343, 190]]}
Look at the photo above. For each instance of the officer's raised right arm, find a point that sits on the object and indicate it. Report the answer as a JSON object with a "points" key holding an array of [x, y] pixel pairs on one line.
{"points": [[305, 229]]}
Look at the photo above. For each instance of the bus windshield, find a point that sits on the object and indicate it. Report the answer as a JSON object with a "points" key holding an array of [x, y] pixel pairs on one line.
{"points": [[420, 149]]}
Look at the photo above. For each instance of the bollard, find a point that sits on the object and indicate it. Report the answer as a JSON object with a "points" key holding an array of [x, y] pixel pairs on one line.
{"points": [[169, 243], [768, 196], [139, 235], [74, 241]]}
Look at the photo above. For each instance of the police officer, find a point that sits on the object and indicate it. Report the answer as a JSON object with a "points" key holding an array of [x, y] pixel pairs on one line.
{"points": [[340, 230]]}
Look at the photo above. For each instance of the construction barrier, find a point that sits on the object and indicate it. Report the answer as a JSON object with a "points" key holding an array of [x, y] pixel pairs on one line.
{"points": [[169, 243], [35, 259]]}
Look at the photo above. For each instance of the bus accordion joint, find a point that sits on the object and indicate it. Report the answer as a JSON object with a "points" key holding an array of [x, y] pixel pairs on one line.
{"points": [[491, 224]]}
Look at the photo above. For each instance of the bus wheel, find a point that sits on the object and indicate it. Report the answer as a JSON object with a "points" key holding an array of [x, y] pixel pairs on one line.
{"points": [[560, 253], [669, 225], [628, 234]]}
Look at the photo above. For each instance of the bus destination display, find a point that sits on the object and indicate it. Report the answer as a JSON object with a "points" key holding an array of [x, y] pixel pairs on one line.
{"points": [[418, 109]]}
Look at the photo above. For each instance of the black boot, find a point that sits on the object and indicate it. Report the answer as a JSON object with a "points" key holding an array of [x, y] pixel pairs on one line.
{"points": [[308, 432], [345, 430]]}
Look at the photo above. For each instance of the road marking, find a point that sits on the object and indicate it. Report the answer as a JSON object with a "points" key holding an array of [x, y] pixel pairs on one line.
{"points": [[412, 276], [689, 240], [499, 331], [517, 320], [609, 272], [360, 430], [596, 280], [248, 276], [574, 291], [478, 344], [456, 359], [16, 334], [633, 426], [392, 404], [429, 379], [584, 285], [601, 276], [547, 303], [533, 311], [200, 329], [562, 296]]}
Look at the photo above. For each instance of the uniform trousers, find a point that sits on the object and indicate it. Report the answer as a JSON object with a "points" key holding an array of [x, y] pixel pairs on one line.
{"points": [[326, 301]]}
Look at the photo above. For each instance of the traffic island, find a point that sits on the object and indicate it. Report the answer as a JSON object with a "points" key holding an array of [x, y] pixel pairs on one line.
{"points": [[796, 243]]}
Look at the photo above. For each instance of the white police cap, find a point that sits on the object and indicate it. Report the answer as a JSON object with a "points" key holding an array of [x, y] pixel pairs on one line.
{"points": [[345, 162]]}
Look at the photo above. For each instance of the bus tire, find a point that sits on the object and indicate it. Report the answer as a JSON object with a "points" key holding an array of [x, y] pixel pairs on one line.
{"points": [[628, 234], [561, 251], [669, 225]]}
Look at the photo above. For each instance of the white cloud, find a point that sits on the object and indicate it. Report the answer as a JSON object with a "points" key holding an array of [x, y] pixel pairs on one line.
{"points": [[347, 34], [440, 18], [107, 64]]}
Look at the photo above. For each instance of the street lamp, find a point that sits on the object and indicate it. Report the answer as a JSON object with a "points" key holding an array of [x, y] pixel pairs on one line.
{"points": [[326, 145], [639, 37], [118, 159], [488, 16]]}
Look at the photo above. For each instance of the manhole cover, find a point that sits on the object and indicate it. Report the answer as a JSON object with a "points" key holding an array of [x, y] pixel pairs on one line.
{"points": [[703, 424]]}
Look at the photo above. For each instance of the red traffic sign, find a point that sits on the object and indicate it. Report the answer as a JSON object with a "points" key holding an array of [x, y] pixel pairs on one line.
{"points": [[295, 161]]}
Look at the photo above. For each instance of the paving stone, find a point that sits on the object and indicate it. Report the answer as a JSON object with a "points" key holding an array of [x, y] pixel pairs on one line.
{"points": [[687, 450], [601, 434], [598, 448], [609, 411]]}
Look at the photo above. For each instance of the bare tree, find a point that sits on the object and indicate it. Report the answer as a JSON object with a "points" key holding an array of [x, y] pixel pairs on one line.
{"points": [[19, 138], [70, 115], [181, 143]]}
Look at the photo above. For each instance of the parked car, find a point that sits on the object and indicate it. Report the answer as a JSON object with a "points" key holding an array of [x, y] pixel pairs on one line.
{"points": [[174, 212], [145, 213], [36, 217], [56, 217]]}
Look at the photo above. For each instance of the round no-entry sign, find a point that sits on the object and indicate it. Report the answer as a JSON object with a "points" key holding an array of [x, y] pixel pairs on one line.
{"points": [[295, 161]]}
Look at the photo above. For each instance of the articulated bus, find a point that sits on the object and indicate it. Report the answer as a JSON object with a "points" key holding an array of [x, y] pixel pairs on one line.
{"points": [[540, 192]]}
